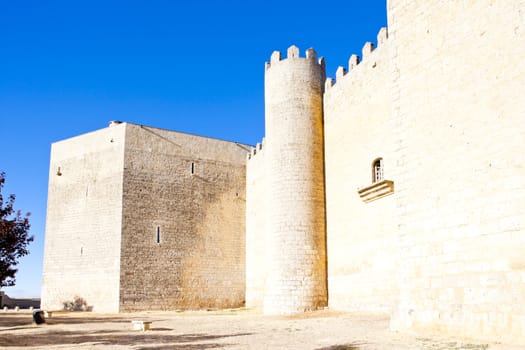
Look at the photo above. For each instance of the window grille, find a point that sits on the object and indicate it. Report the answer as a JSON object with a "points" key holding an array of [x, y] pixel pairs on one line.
{"points": [[378, 172]]}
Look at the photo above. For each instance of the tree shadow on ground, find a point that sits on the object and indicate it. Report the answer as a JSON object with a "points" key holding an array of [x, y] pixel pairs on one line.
{"points": [[181, 341], [185, 346], [350, 346], [55, 320], [11, 320]]}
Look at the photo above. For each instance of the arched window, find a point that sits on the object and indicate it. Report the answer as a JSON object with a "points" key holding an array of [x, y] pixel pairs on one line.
{"points": [[377, 170], [380, 186]]}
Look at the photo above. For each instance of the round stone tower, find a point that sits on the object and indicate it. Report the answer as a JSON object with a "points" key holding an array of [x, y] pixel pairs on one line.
{"points": [[296, 227]]}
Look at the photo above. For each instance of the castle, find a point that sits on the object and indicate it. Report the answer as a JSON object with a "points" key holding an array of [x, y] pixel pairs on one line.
{"points": [[399, 188]]}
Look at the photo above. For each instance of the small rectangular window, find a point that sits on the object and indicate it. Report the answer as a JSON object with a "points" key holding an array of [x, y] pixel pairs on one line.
{"points": [[377, 170], [192, 168], [158, 234]]}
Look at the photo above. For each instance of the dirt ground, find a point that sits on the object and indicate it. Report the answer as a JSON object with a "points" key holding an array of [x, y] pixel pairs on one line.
{"points": [[230, 329]]}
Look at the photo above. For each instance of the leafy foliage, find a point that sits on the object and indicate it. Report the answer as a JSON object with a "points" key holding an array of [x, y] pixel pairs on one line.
{"points": [[14, 237]]}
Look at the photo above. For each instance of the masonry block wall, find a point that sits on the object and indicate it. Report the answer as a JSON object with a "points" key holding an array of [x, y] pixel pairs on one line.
{"points": [[183, 233], [83, 225], [362, 245], [143, 218], [295, 183], [458, 100], [256, 238]]}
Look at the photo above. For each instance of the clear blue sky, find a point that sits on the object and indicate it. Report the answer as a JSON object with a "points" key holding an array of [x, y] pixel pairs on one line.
{"points": [[69, 67]]}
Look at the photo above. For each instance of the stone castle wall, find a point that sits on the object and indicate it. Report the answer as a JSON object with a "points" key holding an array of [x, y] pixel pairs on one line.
{"points": [[362, 248], [191, 191], [458, 79], [256, 238], [83, 225], [440, 102], [142, 218], [22, 303], [437, 242], [294, 159]]}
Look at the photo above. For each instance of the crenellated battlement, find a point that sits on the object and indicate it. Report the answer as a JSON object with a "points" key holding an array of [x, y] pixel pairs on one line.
{"points": [[396, 192], [367, 54], [256, 150], [293, 53]]}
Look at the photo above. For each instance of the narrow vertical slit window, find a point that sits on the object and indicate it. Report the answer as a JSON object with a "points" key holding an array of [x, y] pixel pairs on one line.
{"points": [[158, 234], [377, 170], [192, 168]]}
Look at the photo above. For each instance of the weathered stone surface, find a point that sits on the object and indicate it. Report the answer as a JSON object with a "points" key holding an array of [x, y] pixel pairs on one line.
{"points": [[295, 225], [143, 218], [192, 190], [460, 185], [439, 100], [84, 220]]}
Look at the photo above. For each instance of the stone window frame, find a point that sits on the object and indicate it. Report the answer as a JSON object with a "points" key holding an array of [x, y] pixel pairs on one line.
{"points": [[380, 187]]}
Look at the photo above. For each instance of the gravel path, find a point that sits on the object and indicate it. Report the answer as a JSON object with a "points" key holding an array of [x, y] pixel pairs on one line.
{"points": [[230, 329]]}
